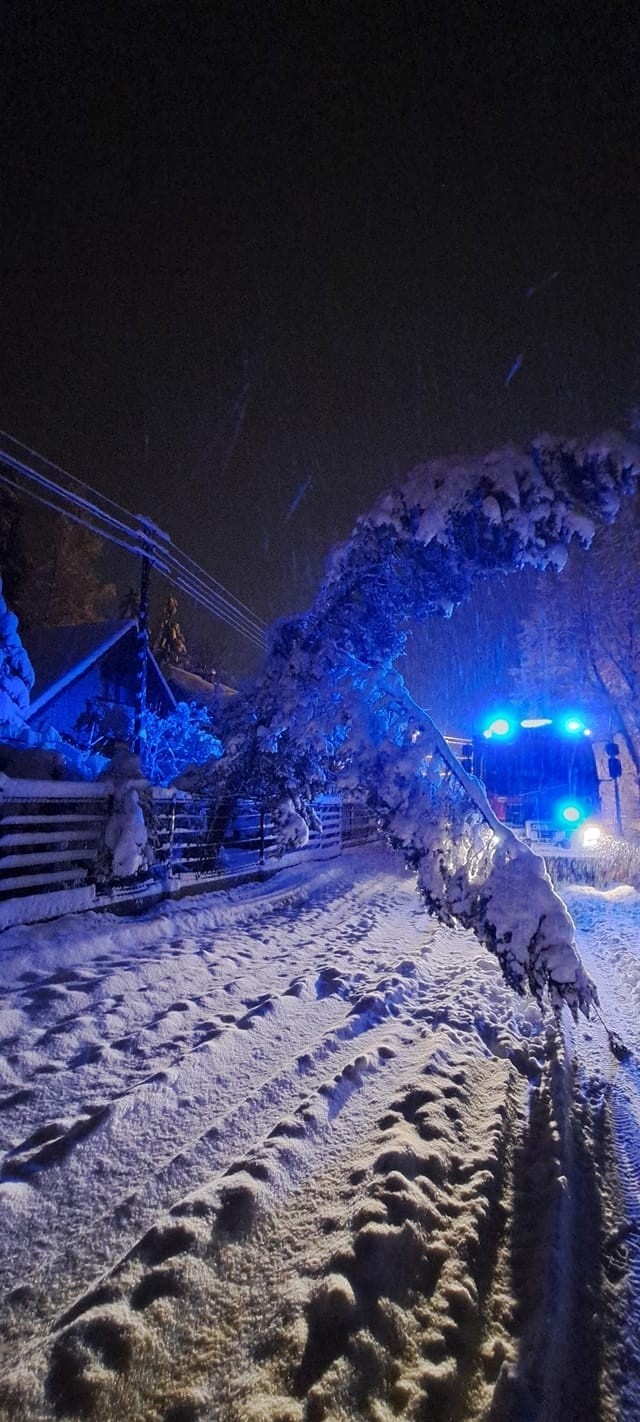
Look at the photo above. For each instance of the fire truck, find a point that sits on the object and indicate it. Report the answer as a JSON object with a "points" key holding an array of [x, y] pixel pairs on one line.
{"points": [[540, 775]]}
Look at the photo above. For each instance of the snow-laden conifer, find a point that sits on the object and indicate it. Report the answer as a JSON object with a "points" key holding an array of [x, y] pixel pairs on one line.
{"points": [[329, 710]]}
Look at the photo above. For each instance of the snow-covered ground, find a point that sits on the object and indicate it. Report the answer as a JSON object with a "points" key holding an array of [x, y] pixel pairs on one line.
{"points": [[297, 1152]]}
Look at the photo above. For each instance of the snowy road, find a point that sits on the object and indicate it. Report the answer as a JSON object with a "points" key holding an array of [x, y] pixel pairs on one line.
{"points": [[296, 1152]]}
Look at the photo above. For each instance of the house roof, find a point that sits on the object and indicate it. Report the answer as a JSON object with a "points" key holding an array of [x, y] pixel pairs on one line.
{"points": [[61, 654], [188, 684]]}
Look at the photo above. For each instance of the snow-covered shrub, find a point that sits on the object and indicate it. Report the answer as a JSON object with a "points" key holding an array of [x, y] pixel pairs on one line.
{"points": [[102, 725], [16, 674], [170, 744]]}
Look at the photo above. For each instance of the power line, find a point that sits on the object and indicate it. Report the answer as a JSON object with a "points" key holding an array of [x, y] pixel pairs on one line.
{"points": [[124, 513], [135, 534], [138, 527], [169, 568]]}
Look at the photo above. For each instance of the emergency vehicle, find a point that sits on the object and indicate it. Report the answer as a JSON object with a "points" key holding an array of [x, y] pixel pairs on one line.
{"points": [[540, 775]]}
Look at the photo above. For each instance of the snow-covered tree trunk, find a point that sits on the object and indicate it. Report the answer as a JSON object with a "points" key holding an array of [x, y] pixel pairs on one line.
{"points": [[328, 709]]}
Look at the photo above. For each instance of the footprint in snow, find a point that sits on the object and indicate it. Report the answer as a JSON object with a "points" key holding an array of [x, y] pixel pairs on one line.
{"points": [[16, 1098], [265, 1006], [87, 1055], [49, 1145], [329, 982]]}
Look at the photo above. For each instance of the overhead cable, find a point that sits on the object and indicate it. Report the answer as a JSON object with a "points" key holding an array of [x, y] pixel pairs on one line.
{"points": [[135, 534]]}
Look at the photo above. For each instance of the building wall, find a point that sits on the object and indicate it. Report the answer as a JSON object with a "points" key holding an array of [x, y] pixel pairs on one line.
{"points": [[63, 710], [113, 679]]}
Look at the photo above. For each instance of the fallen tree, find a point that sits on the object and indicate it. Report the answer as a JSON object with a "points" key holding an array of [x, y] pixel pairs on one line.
{"points": [[329, 710]]}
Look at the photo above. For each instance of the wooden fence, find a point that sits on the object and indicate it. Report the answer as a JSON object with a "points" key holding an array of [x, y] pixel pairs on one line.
{"points": [[53, 861]]}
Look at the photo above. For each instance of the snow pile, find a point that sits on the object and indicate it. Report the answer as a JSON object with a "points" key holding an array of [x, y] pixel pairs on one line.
{"points": [[126, 834], [44, 755], [293, 830]]}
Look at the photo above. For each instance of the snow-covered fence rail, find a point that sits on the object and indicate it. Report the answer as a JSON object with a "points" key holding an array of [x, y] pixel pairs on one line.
{"points": [[194, 837], [53, 858], [50, 837], [359, 824], [187, 834]]}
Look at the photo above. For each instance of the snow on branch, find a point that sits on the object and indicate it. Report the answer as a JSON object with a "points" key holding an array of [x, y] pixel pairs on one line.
{"points": [[329, 711]]}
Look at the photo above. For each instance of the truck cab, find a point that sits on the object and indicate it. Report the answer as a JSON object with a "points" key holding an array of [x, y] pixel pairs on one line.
{"points": [[540, 776]]}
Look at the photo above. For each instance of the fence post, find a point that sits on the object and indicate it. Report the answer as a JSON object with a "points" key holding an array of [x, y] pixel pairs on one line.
{"points": [[261, 858], [172, 830]]}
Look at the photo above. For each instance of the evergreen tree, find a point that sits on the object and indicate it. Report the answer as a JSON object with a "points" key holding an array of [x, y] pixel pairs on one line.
{"points": [[12, 554], [63, 586], [170, 646], [329, 710]]}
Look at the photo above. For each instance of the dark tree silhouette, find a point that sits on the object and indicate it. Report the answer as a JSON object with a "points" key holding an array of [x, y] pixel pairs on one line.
{"points": [[51, 568], [581, 637]]}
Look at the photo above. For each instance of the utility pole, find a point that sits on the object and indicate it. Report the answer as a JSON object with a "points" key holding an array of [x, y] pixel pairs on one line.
{"points": [[142, 647]]}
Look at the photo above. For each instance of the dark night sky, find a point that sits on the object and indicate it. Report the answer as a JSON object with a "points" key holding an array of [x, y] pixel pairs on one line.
{"points": [[250, 246]]}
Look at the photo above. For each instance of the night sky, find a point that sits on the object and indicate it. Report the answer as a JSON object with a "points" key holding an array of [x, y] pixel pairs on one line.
{"points": [[259, 259]]}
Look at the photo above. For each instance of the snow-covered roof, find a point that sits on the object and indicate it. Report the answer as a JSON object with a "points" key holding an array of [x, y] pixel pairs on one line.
{"points": [[189, 684], [61, 654]]}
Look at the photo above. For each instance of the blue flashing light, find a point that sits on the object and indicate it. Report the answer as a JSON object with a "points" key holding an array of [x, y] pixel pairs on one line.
{"points": [[573, 726], [500, 726], [569, 814]]}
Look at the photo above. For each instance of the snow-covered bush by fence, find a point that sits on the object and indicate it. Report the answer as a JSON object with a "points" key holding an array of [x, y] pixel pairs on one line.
{"points": [[170, 744]]}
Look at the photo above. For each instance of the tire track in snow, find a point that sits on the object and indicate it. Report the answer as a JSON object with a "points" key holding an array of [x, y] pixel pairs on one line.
{"points": [[254, 1144], [404, 1181], [27, 1101], [271, 1096], [208, 1151]]}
